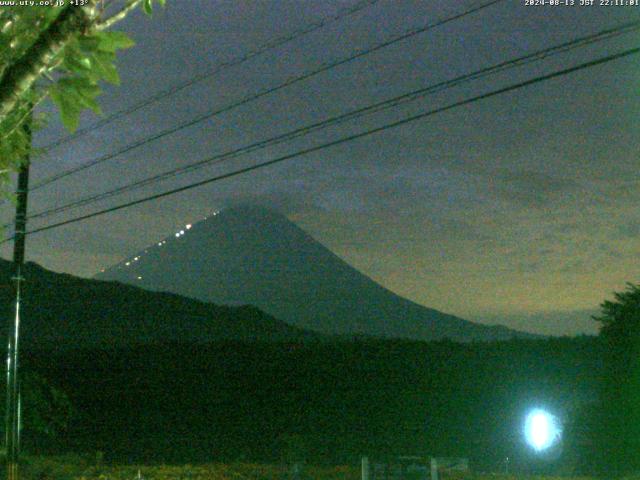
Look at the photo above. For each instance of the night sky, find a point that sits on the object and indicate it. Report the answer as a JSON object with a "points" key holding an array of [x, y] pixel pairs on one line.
{"points": [[522, 209]]}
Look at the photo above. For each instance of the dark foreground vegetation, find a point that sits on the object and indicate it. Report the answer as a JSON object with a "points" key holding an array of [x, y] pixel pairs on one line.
{"points": [[101, 374], [323, 403]]}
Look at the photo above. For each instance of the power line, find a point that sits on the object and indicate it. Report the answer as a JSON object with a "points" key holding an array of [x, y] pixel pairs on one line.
{"points": [[342, 140], [274, 43], [377, 107], [287, 83]]}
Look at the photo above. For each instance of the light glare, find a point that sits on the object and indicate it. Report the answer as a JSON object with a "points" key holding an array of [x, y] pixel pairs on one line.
{"points": [[541, 429]]}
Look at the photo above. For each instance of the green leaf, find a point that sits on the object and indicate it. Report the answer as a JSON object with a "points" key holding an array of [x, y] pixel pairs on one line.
{"points": [[86, 97], [89, 43], [76, 62], [94, 56], [104, 67], [72, 95], [69, 111], [112, 41], [147, 7]]}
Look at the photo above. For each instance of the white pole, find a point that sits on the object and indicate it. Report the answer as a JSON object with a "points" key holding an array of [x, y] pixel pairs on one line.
{"points": [[434, 469], [365, 468]]}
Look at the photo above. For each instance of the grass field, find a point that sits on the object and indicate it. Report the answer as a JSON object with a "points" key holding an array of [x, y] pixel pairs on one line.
{"points": [[79, 468]]}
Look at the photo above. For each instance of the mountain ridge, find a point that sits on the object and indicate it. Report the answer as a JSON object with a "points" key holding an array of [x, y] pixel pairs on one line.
{"points": [[256, 256], [65, 311]]}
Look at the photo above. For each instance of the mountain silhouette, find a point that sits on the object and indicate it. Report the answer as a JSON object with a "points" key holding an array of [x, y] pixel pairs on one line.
{"points": [[251, 255], [64, 311]]}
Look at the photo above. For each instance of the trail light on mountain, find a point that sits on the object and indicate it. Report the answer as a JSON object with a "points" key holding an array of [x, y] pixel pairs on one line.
{"points": [[188, 226], [334, 298], [541, 429]]}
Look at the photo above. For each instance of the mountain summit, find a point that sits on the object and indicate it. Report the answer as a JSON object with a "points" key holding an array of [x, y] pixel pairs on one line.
{"points": [[250, 255]]}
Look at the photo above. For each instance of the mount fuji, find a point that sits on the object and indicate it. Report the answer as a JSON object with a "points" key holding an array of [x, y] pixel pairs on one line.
{"points": [[251, 255]]}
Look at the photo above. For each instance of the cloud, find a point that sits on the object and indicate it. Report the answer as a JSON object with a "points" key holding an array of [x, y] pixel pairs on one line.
{"points": [[630, 230], [536, 189]]}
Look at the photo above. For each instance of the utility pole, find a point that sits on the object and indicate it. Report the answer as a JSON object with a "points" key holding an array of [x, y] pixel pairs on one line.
{"points": [[12, 425]]}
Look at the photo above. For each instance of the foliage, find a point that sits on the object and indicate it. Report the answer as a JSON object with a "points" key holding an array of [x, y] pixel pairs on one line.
{"points": [[620, 319], [74, 467], [77, 468], [47, 409], [45, 51], [618, 435], [337, 400]]}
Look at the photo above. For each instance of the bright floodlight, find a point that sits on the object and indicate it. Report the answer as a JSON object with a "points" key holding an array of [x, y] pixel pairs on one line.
{"points": [[541, 429]]}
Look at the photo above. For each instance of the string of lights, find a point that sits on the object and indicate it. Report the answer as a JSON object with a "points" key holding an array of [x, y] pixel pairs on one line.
{"points": [[343, 140], [351, 115], [270, 45], [357, 54]]}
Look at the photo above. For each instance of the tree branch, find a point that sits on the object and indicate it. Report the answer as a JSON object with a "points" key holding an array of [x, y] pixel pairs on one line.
{"points": [[20, 76], [24, 117], [120, 15]]}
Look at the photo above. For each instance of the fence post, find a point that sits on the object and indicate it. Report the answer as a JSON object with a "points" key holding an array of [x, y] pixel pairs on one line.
{"points": [[365, 468], [434, 469]]}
